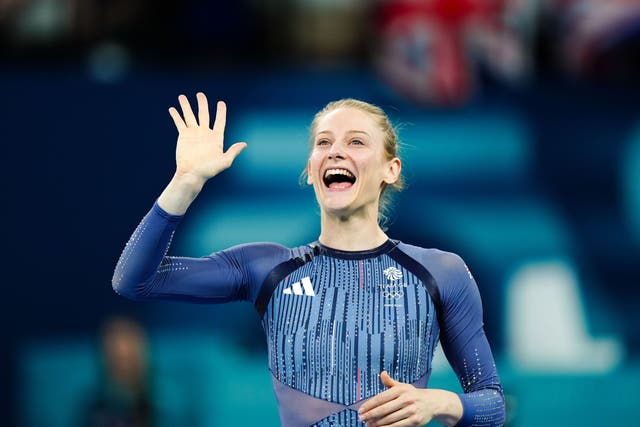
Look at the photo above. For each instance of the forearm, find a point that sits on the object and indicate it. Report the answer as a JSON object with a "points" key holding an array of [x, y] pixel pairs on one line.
{"points": [[180, 193], [143, 253], [484, 407]]}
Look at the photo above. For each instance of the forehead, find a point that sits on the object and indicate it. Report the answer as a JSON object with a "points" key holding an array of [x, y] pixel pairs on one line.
{"points": [[347, 119]]}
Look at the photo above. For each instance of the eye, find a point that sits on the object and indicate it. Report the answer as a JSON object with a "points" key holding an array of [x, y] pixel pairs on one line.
{"points": [[356, 142], [322, 142]]}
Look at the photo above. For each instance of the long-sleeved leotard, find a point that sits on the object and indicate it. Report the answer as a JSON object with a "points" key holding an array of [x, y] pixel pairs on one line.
{"points": [[333, 320]]}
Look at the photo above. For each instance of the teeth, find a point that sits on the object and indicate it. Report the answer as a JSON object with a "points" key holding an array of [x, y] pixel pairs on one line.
{"points": [[338, 172]]}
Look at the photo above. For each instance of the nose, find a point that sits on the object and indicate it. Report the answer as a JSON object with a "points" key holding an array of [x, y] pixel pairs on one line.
{"points": [[336, 151]]}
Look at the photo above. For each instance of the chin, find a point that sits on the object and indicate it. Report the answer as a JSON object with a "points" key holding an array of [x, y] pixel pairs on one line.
{"points": [[337, 208]]}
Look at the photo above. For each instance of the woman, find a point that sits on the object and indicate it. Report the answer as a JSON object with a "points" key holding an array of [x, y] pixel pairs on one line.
{"points": [[352, 320]]}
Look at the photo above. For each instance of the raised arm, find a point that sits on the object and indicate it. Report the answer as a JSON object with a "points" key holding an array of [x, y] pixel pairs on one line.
{"points": [[143, 270], [200, 153]]}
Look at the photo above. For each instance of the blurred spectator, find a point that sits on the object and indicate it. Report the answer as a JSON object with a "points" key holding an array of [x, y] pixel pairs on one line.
{"points": [[99, 19], [48, 22], [62, 29], [330, 31], [122, 398], [595, 38], [432, 51], [428, 49], [28, 22]]}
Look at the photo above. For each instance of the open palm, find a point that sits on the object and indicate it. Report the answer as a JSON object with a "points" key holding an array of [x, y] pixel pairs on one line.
{"points": [[200, 150]]}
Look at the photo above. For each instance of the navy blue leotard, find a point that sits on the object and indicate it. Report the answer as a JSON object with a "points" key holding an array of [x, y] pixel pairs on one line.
{"points": [[333, 320]]}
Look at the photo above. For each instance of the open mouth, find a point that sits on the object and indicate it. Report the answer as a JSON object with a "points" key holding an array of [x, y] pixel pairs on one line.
{"points": [[338, 179]]}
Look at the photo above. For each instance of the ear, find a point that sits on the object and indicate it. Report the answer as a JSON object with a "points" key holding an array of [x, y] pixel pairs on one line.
{"points": [[392, 174], [309, 177]]}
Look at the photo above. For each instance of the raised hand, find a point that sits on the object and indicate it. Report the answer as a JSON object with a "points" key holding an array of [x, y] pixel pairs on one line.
{"points": [[200, 151]]}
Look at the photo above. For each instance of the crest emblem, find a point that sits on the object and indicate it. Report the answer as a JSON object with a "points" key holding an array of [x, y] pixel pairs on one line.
{"points": [[392, 273]]}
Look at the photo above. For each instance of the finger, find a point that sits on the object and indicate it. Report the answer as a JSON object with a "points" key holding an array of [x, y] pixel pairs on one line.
{"points": [[221, 117], [393, 415], [381, 411], [387, 380], [177, 119], [405, 422], [383, 397], [235, 149], [203, 109], [379, 399], [189, 118]]}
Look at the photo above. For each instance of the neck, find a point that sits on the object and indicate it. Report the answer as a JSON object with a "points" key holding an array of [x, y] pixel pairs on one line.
{"points": [[351, 232]]}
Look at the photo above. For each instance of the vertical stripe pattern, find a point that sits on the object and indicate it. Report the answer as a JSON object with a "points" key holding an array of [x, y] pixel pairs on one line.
{"points": [[348, 417], [361, 316]]}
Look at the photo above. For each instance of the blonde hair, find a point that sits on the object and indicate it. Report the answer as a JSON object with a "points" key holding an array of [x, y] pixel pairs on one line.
{"points": [[391, 142]]}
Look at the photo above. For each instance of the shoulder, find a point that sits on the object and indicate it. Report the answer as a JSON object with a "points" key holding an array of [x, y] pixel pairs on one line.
{"points": [[254, 262], [449, 270], [441, 264]]}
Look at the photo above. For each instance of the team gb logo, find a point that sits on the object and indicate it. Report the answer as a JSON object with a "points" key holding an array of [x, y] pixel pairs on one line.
{"points": [[392, 273]]}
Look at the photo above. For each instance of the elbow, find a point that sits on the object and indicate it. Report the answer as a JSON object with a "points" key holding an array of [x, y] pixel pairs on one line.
{"points": [[128, 281], [126, 288]]}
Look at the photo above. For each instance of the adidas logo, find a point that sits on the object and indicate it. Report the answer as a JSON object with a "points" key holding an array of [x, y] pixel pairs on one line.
{"points": [[301, 289]]}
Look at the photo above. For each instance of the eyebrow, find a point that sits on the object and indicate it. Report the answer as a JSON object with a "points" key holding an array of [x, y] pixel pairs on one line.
{"points": [[349, 131]]}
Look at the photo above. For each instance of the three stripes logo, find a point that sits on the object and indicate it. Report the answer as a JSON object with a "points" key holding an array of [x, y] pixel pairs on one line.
{"points": [[304, 287]]}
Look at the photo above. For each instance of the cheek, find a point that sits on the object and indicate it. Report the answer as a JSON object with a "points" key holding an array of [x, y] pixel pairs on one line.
{"points": [[312, 167], [371, 169], [314, 155]]}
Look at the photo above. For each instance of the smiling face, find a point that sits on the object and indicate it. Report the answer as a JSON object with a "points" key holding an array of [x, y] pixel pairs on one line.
{"points": [[349, 166]]}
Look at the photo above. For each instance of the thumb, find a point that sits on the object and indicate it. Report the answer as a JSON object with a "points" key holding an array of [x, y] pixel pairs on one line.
{"points": [[235, 149], [387, 380]]}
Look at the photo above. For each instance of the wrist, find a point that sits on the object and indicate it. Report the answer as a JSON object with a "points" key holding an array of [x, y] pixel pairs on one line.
{"points": [[180, 193], [447, 406], [188, 182]]}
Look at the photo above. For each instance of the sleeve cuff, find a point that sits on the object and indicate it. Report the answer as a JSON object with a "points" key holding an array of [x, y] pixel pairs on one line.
{"points": [[467, 411], [172, 218]]}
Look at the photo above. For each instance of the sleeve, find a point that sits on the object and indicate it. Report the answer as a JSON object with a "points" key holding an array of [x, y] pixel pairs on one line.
{"points": [[145, 272], [467, 349]]}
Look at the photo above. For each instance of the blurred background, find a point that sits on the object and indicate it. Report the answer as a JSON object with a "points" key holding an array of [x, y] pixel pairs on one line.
{"points": [[520, 124]]}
